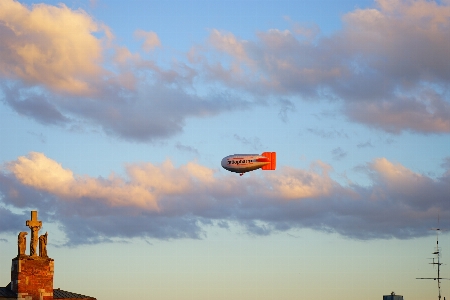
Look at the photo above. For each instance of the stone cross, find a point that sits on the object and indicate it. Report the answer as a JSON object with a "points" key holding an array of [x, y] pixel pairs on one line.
{"points": [[34, 225]]}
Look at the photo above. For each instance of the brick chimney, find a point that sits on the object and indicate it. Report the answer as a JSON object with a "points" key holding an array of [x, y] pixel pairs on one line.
{"points": [[32, 275], [32, 278]]}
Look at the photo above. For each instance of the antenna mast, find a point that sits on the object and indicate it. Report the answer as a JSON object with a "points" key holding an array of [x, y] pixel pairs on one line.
{"points": [[438, 263]]}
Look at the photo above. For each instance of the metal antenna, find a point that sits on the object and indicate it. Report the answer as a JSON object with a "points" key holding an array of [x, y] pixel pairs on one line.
{"points": [[438, 263]]}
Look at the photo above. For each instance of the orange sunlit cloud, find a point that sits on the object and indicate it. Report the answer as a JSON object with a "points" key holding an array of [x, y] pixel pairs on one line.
{"points": [[181, 198], [42, 173], [147, 184], [51, 45]]}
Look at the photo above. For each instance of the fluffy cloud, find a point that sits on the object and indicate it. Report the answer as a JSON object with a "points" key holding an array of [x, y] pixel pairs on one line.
{"points": [[50, 45], [57, 70], [149, 184], [164, 201], [43, 174], [389, 65]]}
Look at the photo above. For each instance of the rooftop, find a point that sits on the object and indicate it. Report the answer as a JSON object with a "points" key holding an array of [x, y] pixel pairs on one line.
{"points": [[5, 292]]}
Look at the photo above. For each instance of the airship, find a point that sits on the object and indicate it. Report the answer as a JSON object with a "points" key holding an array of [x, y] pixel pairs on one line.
{"points": [[242, 163]]}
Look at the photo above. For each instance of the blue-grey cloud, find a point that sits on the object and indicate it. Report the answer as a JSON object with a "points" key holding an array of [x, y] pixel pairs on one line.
{"points": [[285, 107], [151, 113], [96, 82], [387, 66], [10, 222], [338, 153], [254, 143], [164, 202], [327, 134], [185, 148], [37, 106], [367, 144]]}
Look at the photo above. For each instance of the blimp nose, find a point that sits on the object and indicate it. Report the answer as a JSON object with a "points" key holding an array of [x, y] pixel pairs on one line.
{"points": [[224, 162]]}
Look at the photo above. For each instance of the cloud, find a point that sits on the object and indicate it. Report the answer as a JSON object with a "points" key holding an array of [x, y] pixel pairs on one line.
{"points": [[149, 113], [254, 143], [330, 134], [43, 174], [151, 39], [228, 43], [153, 112], [295, 184], [285, 107], [185, 148], [40, 136], [367, 144], [167, 202], [33, 105], [338, 153], [61, 67], [388, 65], [50, 45], [424, 114], [10, 222], [400, 181]]}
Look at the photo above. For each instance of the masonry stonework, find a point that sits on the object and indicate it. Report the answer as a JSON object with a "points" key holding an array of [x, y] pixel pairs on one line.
{"points": [[32, 278], [32, 275]]}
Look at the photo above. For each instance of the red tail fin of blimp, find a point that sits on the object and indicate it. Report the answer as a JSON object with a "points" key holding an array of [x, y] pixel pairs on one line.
{"points": [[272, 156]]}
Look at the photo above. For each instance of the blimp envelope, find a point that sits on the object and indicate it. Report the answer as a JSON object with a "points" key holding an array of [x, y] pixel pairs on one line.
{"points": [[242, 163]]}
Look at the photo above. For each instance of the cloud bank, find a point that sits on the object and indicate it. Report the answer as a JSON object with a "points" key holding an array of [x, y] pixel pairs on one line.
{"points": [[166, 202], [61, 67], [388, 67]]}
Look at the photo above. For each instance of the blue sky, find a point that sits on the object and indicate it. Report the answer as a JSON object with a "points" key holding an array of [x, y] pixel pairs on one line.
{"points": [[115, 116]]}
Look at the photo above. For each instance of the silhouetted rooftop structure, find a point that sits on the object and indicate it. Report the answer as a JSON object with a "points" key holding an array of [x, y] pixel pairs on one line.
{"points": [[6, 293], [392, 296], [60, 294]]}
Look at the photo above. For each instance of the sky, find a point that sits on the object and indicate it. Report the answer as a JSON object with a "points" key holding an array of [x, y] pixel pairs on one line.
{"points": [[115, 115]]}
